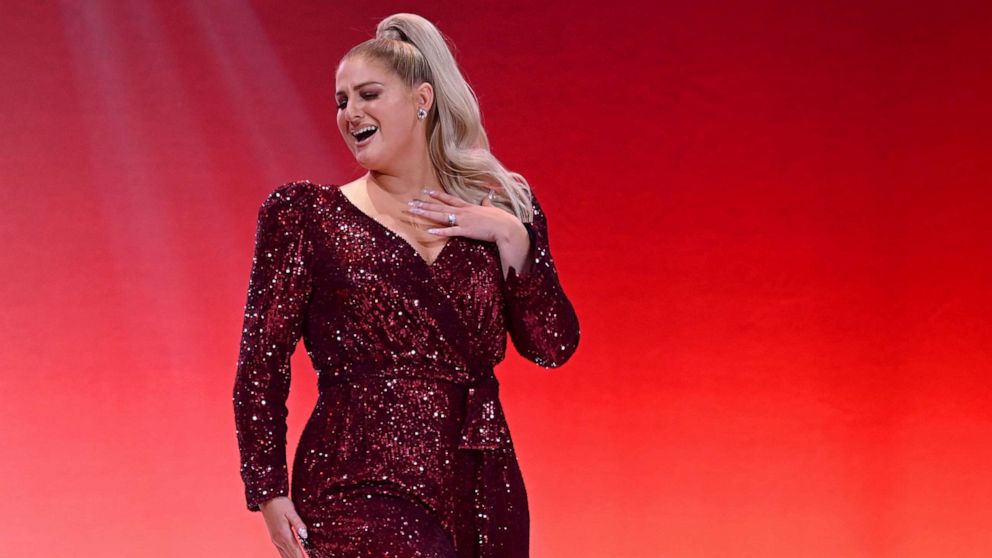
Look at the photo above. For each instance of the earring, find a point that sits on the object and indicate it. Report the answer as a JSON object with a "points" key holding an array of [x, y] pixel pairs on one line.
{"points": [[421, 113]]}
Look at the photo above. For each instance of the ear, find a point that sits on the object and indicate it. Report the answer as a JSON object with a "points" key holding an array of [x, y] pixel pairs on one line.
{"points": [[424, 96]]}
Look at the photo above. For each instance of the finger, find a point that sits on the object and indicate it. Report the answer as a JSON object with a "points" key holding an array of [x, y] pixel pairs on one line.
{"points": [[446, 231], [285, 549], [289, 547], [439, 216], [447, 198], [299, 527], [432, 205]]}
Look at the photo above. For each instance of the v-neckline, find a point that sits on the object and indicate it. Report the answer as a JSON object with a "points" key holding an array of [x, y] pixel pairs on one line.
{"points": [[396, 235]]}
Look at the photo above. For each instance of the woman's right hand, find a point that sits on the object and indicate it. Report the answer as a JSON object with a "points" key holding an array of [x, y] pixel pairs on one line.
{"points": [[282, 521]]}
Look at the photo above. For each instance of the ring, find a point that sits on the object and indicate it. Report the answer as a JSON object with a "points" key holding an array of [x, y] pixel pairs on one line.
{"points": [[451, 219]]}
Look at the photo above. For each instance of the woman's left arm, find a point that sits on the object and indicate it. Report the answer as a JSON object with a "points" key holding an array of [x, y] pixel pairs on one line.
{"points": [[541, 320]]}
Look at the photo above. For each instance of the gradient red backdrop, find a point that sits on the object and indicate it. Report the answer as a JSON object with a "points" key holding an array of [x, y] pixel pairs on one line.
{"points": [[772, 218]]}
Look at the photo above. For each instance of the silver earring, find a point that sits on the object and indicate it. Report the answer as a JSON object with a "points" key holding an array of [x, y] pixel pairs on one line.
{"points": [[421, 113]]}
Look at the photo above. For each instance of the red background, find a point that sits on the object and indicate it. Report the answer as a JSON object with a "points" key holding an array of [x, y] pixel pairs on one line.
{"points": [[772, 218]]}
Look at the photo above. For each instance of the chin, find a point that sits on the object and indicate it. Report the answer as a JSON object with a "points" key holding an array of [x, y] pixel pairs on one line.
{"points": [[368, 165], [366, 162], [372, 162]]}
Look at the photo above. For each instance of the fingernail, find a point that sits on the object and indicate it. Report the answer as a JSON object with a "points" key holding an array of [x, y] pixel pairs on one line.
{"points": [[303, 532], [433, 231]]}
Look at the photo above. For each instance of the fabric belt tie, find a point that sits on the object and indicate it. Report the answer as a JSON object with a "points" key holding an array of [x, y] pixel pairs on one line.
{"points": [[485, 424]]}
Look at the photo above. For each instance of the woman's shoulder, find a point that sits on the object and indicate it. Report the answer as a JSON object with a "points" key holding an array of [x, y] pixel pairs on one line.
{"points": [[295, 203], [298, 196], [295, 193]]}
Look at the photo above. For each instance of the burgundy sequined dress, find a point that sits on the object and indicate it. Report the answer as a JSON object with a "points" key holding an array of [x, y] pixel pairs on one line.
{"points": [[407, 451]]}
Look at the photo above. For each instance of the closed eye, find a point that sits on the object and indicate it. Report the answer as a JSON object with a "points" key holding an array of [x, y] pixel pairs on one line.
{"points": [[344, 101]]}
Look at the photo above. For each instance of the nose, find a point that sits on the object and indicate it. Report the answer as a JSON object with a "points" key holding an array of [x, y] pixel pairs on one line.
{"points": [[352, 113]]}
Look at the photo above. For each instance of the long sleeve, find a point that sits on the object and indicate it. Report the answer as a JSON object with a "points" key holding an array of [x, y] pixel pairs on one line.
{"points": [[278, 294], [542, 323]]}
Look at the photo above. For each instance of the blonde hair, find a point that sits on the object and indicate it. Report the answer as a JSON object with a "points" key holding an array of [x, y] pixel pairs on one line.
{"points": [[417, 52]]}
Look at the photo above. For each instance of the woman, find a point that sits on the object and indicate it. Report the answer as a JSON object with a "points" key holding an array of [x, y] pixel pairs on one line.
{"points": [[403, 285]]}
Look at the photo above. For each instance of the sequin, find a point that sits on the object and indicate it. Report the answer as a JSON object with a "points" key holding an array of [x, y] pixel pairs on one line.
{"points": [[407, 451]]}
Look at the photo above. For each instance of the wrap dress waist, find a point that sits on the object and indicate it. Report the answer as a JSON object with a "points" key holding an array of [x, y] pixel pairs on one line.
{"points": [[484, 427]]}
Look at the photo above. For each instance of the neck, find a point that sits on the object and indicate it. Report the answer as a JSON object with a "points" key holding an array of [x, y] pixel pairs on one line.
{"points": [[406, 183]]}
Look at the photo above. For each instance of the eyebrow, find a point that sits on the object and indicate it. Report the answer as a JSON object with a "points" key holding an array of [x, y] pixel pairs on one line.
{"points": [[359, 85]]}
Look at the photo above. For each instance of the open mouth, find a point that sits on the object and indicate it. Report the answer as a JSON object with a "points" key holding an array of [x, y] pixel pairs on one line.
{"points": [[364, 134]]}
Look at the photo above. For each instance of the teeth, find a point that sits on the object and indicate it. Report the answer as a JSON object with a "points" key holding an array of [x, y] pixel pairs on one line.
{"points": [[365, 129]]}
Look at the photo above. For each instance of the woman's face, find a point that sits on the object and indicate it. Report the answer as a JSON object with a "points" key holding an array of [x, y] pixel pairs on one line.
{"points": [[372, 99]]}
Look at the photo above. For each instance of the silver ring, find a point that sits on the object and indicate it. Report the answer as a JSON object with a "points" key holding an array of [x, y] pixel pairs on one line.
{"points": [[451, 219]]}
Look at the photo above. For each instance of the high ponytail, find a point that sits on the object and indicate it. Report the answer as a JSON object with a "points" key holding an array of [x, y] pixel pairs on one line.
{"points": [[416, 50]]}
